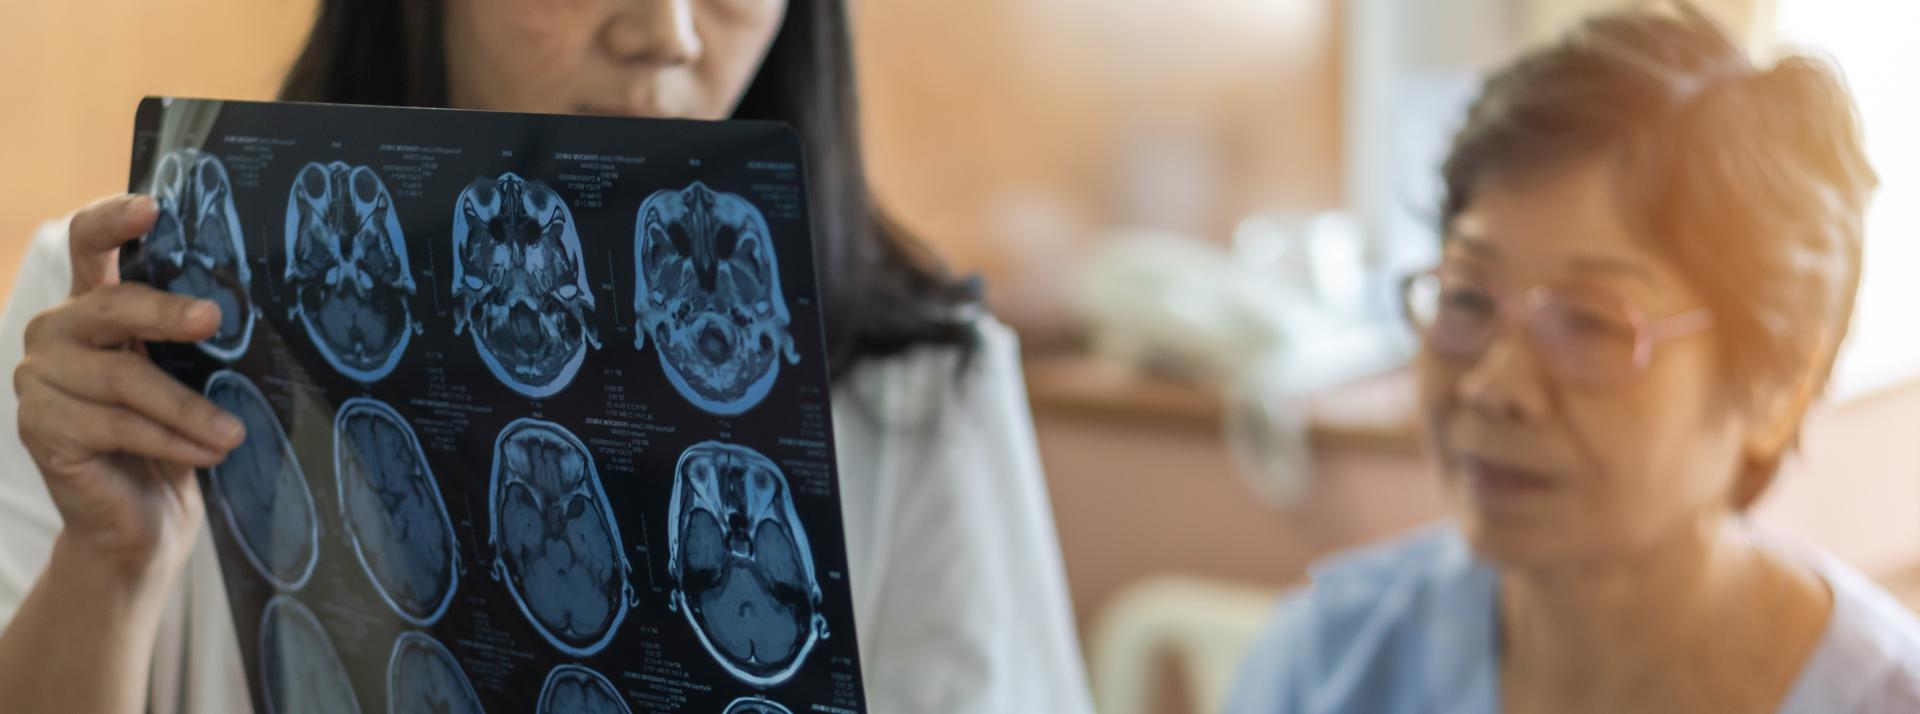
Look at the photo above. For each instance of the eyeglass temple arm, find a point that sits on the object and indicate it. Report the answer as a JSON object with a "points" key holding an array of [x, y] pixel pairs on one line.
{"points": [[1680, 325]]}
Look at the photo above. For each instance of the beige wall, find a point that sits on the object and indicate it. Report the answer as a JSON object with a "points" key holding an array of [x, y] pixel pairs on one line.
{"points": [[1544, 20], [1012, 133], [74, 71]]}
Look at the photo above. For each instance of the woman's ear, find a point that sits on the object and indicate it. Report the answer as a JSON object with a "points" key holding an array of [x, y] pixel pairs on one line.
{"points": [[1777, 414]]}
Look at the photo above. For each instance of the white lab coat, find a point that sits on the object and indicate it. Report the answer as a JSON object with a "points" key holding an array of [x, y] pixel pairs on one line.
{"points": [[958, 591]]}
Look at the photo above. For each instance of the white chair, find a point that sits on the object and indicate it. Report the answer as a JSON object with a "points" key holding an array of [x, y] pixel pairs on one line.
{"points": [[1203, 627]]}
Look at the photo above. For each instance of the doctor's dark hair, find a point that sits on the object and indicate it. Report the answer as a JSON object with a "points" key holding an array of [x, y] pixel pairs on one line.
{"points": [[1749, 180], [882, 293]]}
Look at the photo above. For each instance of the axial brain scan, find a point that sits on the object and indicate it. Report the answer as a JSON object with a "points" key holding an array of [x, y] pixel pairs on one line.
{"points": [[396, 520], [195, 247], [261, 489], [709, 296], [424, 678], [300, 671], [573, 689], [557, 545], [347, 262], [521, 282], [755, 705], [739, 557]]}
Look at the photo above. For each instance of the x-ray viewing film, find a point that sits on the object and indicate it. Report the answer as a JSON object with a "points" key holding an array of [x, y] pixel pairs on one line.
{"points": [[536, 407]]}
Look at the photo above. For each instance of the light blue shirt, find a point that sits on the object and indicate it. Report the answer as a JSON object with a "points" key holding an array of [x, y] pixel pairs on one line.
{"points": [[1409, 626]]}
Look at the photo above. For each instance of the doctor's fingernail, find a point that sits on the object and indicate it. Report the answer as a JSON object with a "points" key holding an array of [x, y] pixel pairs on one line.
{"points": [[203, 310], [228, 426]]}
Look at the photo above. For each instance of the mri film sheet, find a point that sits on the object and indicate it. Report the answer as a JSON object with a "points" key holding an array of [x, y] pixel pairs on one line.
{"points": [[537, 407]]}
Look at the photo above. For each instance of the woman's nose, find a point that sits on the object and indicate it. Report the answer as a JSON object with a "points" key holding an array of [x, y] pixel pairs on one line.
{"points": [[654, 32], [1506, 385]]}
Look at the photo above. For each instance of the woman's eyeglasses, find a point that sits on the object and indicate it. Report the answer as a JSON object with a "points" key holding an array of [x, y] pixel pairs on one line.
{"points": [[1582, 335]]}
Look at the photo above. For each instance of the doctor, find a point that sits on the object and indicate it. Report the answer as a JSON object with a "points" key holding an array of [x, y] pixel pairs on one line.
{"points": [[110, 596]]}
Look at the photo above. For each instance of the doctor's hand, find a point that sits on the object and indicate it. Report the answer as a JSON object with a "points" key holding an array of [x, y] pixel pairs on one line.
{"points": [[117, 439]]}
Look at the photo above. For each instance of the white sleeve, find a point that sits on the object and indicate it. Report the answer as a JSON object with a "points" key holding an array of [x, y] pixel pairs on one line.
{"points": [[28, 521], [973, 615]]}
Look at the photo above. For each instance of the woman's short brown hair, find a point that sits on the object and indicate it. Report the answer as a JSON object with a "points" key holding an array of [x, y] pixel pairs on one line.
{"points": [[1749, 180]]}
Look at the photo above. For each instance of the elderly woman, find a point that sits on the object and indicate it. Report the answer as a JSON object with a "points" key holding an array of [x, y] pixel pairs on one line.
{"points": [[1651, 251]]}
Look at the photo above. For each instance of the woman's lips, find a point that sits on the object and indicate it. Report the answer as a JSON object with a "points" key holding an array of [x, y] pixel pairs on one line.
{"points": [[1490, 479]]}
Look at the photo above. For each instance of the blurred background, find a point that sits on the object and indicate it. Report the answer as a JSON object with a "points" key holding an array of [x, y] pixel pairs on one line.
{"points": [[1194, 211]]}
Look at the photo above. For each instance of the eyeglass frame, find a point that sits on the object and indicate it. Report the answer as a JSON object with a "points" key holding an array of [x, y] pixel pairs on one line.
{"points": [[1649, 332]]}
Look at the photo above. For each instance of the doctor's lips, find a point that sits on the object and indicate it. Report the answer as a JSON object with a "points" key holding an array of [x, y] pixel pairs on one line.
{"points": [[1494, 478]]}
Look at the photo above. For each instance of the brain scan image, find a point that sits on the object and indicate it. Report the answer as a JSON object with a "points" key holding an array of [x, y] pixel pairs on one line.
{"points": [[556, 543], [300, 672], [708, 294], [347, 262], [261, 489], [195, 247], [573, 689], [520, 279], [755, 705], [395, 518], [424, 678], [739, 559]]}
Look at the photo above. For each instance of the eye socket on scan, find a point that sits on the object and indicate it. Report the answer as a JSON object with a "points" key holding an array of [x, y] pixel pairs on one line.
{"points": [[366, 187]]}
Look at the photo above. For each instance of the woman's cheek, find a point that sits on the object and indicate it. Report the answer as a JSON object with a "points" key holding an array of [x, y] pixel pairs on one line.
{"points": [[1630, 487], [525, 53]]}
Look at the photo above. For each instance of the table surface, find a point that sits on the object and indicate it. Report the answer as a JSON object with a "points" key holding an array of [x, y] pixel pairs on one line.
{"points": [[1372, 413]]}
